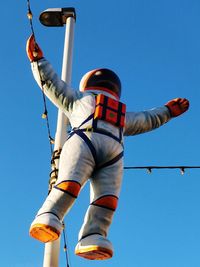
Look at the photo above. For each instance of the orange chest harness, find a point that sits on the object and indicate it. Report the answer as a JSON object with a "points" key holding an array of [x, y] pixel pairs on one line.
{"points": [[110, 110]]}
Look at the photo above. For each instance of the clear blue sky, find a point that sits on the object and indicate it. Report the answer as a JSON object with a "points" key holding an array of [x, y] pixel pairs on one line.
{"points": [[154, 48]]}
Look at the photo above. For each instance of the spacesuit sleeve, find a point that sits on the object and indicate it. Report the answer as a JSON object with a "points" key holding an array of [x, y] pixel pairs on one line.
{"points": [[141, 122], [54, 88]]}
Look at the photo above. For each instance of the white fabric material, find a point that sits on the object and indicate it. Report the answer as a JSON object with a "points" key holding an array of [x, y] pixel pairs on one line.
{"points": [[145, 121], [58, 203], [77, 162], [97, 221]]}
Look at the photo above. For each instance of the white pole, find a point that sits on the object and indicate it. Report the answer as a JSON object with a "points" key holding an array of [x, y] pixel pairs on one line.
{"points": [[52, 249]]}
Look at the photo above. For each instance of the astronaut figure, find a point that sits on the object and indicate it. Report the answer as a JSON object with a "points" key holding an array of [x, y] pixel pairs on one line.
{"points": [[93, 151]]}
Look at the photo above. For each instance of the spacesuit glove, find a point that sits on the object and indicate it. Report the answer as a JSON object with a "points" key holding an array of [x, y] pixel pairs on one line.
{"points": [[33, 50], [177, 106]]}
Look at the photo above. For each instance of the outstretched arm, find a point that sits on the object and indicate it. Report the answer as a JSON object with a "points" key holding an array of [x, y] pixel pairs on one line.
{"points": [[55, 89], [141, 122]]}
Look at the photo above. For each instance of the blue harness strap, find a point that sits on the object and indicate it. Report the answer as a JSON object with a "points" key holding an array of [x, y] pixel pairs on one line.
{"points": [[86, 120], [112, 161], [80, 133], [101, 131]]}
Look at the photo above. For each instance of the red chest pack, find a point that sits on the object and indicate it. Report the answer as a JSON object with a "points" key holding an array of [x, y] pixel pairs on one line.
{"points": [[110, 110]]}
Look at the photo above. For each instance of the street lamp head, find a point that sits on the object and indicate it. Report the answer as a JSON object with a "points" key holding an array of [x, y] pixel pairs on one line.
{"points": [[56, 17]]}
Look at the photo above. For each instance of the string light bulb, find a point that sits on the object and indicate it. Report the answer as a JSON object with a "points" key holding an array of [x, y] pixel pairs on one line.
{"points": [[149, 170], [29, 15], [52, 141], [182, 171], [44, 115]]}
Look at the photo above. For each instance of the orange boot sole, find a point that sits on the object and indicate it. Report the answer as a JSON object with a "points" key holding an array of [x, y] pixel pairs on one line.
{"points": [[94, 253], [44, 233]]}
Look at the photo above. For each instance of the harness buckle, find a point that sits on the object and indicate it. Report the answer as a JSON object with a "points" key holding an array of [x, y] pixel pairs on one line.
{"points": [[89, 129]]}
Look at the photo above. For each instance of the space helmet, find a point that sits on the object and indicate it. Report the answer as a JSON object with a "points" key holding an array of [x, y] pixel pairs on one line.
{"points": [[102, 80]]}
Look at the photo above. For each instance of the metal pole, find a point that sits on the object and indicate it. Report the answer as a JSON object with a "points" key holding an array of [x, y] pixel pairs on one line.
{"points": [[52, 249]]}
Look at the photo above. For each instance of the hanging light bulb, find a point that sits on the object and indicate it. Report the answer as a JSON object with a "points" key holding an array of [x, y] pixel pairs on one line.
{"points": [[29, 15], [52, 141], [182, 171], [149, 170], [44, 115]]}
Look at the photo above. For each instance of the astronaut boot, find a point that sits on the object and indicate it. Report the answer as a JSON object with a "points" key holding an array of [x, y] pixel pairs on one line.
{"points": [[93, 244], [94, 247], [47, 226]]}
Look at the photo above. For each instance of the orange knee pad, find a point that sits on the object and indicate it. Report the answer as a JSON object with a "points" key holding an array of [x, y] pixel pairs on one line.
{"points": [[108, 202], [70, 187]]}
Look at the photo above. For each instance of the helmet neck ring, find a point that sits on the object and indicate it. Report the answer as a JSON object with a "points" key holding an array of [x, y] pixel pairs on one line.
{"points": [[104, 89]]}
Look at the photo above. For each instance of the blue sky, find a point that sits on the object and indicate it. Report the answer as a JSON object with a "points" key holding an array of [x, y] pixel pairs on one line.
{"points": [[154, 48]]}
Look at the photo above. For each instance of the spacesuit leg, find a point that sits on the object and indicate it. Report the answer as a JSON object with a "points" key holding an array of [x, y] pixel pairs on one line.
{"points": [[105, 189], [75, 167]]}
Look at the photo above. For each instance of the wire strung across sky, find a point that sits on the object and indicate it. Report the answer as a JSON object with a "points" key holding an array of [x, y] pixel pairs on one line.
{"points": [[150, 168]]}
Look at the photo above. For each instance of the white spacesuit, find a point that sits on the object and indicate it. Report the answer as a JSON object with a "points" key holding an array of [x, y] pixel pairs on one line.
{"points": [[93, 150]]}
